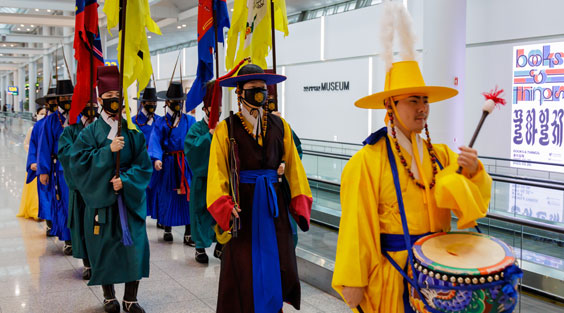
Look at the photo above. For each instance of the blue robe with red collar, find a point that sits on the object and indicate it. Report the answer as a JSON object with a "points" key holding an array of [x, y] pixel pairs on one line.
{"points": [[47, 163], [167, 145]]}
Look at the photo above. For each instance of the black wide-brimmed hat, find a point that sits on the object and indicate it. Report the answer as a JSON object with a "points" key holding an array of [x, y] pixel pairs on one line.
{"points": [[51, 93], [252, 72], [149, 94], [64, 88], [175, 92]]}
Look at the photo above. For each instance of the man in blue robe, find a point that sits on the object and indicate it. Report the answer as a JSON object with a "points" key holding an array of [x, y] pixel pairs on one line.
{"points": [[166, 149], [145, 120], [49, 168], [44, 212]]}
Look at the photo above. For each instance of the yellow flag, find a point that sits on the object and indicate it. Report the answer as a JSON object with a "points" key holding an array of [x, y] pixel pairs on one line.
{"points": [[251, 30], [137, 56]]}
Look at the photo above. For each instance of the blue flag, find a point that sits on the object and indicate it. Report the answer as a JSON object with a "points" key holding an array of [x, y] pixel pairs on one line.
{"points": [[206, 45]]}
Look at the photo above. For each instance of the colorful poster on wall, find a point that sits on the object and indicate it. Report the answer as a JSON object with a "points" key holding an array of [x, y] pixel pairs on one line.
{"points": [[538, 106]]}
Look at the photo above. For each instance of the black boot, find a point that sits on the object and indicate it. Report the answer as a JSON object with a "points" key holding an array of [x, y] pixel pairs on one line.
{"points": [[130, 303], [201, 256], [87, 270], [218, 251], [49, 225], [111, 304], [167, 233], [67, 247], [188, 237]]}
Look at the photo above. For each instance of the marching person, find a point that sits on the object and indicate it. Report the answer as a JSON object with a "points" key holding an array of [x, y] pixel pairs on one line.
{"points": [[197, 150], [166, 148], [76, 203], [145, 120], [49, 101], [29, 205], [114, 219], [258, 265], [49, 168]]}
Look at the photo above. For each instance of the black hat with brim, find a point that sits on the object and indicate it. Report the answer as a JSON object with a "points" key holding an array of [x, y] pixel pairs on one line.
{"points": [[149, 94], [175, 92], [64, 88], [51, 93], [251, 72]]}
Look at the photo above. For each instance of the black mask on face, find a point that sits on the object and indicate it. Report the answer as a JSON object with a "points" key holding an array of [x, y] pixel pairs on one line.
{"points": [[52, 105], [150, 108], [65, 105], [90, 112], [111, 105], [255, 96], [175, 106]]}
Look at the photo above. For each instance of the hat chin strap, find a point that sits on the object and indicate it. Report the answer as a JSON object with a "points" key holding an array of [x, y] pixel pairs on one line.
{"points": [[415, 150]]}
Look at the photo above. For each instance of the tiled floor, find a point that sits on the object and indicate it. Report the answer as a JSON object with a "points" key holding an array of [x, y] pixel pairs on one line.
{"points": [[36, 277]]}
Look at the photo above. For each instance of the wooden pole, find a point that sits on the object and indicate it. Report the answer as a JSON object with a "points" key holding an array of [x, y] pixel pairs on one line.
{"points": [[273, 34], [215, 23], [121, 70]]}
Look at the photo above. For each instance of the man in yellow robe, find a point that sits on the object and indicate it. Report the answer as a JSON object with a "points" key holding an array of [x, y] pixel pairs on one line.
{"points": [[370, 207]]}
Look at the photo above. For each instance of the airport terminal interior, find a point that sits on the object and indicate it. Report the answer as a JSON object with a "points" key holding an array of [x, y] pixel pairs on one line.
{"points": [[332, 54]]}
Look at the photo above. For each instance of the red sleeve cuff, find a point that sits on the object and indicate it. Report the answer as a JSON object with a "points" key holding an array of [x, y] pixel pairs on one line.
{"points": [[300, 208], [221, 211]]}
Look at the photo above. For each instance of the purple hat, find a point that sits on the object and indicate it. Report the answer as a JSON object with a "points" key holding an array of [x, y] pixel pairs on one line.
{"points": [[108, 79]]}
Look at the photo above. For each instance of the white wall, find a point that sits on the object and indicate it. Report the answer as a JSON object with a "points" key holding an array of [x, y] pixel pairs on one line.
{"points": [[493, 28], [348, 50]]}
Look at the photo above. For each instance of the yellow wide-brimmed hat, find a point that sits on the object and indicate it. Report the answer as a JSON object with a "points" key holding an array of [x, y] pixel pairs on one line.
{"points": [[405, 78]]}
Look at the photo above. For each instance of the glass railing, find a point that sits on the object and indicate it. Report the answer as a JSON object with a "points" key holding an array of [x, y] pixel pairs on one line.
{"points": [[526, 211]]}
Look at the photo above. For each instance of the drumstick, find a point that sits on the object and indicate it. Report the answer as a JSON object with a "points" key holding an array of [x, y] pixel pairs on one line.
{"points": [[359, 309], [492, 100]]}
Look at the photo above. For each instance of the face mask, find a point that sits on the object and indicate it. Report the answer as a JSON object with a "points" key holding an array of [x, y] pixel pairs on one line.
{"points": [[271, 105], [255, 96], [111, 105], [65, 105], [150, 108], [40, 117], [175, 106], [52, 106], [90, 112]]}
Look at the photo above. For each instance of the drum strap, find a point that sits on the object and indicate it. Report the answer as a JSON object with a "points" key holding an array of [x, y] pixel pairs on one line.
{"points": [[406, 236]]}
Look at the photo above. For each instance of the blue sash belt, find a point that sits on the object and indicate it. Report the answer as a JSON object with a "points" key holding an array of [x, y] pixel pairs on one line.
{"points": [[395, 243], [267, 283]]}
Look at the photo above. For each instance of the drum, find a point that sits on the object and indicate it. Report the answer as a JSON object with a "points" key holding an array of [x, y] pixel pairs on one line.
{"points": [[463, 272]]}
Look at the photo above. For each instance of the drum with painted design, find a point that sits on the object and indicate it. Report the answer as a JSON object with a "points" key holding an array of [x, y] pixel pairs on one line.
{"points": [[463, 272]]}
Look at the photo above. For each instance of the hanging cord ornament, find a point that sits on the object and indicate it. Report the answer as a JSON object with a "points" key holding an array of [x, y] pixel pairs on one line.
{"points": [[493, 98]]}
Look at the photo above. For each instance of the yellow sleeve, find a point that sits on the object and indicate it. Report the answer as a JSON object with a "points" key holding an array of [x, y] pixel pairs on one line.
{"points": [[300, 206], [358, 245], [468, 198], [219, 201]]}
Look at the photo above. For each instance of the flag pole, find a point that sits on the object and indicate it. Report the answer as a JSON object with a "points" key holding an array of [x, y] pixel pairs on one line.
{"points": [[66, 64], [121, 70], [273, 34], [215, 23]]}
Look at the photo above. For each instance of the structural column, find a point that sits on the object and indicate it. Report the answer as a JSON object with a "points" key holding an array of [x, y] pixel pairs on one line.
{"points": [[68, 31], [3, 90], [32, 81], [444, 53], [21, 84], [47, 63]]}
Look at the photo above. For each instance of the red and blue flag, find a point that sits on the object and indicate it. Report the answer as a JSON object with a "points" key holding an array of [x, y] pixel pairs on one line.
{"points": [[206, 45], [88, 54]]}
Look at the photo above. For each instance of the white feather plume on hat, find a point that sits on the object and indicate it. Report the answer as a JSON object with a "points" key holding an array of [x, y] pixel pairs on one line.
{"points": [[395, 17]]}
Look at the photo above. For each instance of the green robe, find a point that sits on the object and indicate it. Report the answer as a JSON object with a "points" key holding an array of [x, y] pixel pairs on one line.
{"points": [[197, 149], [93, 166], [75, 220]]}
